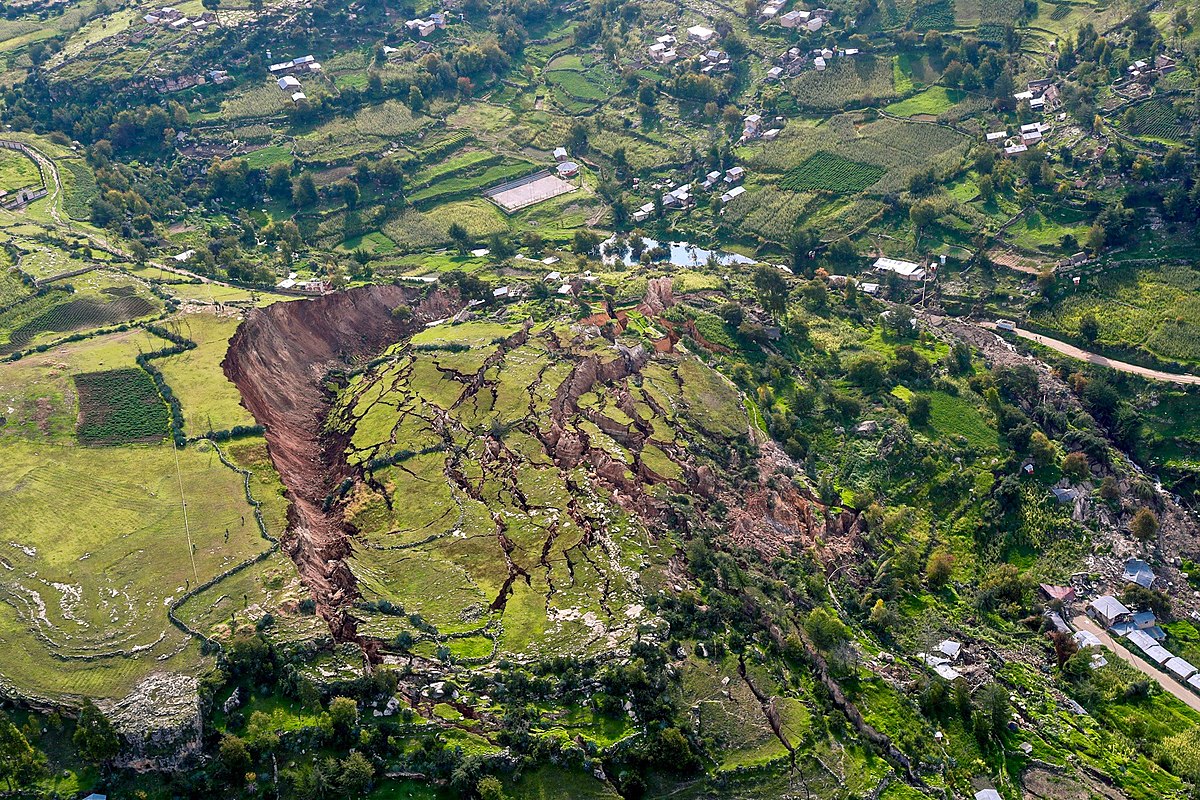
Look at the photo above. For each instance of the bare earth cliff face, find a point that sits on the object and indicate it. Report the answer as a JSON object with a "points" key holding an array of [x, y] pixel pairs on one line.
{"points": [[279, 359]]}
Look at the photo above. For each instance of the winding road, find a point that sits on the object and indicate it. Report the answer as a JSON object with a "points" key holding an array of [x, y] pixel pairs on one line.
{"points": [[1099, 360]]}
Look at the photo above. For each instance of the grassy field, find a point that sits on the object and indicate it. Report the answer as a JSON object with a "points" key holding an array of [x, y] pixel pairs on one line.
{"points": [[17, 171], [120, 406], [210, 401], [38, 392], [86, 613], [933, 101]]}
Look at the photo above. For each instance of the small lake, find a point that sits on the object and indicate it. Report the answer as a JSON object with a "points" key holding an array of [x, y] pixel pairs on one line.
{"points": [[683, 254]]}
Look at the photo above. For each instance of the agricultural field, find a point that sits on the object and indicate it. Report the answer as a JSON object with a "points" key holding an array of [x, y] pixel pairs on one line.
{"points": [[209, 401], [1153, 310], [1158, 121], [94, 619], [832, 173], [17, 171], [847, 83], [120, 407]]}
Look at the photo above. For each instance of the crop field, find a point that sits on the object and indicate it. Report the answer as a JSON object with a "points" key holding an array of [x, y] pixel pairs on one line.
{"points": [[17, 171], [846, 83], [72, 315], [955, 416], [1158, 121], [38, 392], [833, 173], [412, 229], [577, 84], [120, 407], [436, 553], [210, 401], [87, 613], [264, 100], [1154, 309], [899, 148], [469, 182], [81, 190], [369, 130], [937, 15], [933, 101]]}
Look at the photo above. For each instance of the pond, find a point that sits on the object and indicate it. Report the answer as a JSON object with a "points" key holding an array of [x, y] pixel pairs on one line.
{"points": [[682, 254]]}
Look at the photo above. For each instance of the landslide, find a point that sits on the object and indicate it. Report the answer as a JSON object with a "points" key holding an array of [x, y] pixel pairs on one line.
{"points": [[279, 359]]}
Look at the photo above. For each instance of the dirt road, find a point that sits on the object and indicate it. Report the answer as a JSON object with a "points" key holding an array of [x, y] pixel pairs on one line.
{"points": [[1164, 680], [1092, 358]]}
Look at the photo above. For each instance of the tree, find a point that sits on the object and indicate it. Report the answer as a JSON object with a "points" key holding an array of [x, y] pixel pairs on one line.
{"points": [[772, 289], [919, 408], [489, 788], [304, 191], [1144, 524], [825, 629], [1089, 328], [279, 182], [233, 755], [460, 237], [95, 736], [1042, 449], [1075, 466], [343, 713], [20, 762], [213, 6], [357, 774], [585, 242], [922, 215], [939, 569], [868, 371]]}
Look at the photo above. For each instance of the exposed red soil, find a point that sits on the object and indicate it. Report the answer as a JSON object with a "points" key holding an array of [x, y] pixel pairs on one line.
{"points": [[279, 359]]}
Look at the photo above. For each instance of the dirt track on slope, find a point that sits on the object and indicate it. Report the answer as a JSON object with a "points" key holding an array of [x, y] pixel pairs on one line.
{"points": [[279, 359]]}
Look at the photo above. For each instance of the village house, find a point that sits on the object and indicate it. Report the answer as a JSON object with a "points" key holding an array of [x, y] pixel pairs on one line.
{"points": [[711, 179], [736, 191], [734, 175], [680, 198], [701, 34], [560, 154], [751, 127], [1015, 150], [288, 84], [661, 54], [775, 73], [997, 136], [771, 8], [794, 19], [567, 169], [905, 270], [1108, 611], [819, 63], [1139, 572]]}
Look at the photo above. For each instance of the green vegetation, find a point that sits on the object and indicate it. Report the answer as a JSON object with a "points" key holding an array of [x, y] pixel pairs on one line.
{"points": [[119, 407]]}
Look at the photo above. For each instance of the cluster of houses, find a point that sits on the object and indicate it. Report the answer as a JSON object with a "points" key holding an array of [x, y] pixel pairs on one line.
{"points": [[174, 19], [811, 21], [753, 128], [794, 60], [1029, 136], [1042, 95], [1139, 628], [666, 49], [564, 166], [681, 197], [1163, 65], [423, 27], [311, 286], [289, 83]]}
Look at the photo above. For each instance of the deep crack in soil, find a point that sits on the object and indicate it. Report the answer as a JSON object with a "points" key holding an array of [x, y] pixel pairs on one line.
{"points": [[280, 359]]}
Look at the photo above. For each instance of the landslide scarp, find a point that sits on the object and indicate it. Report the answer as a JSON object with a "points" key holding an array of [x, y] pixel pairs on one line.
{"points": [[279, 359]]}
